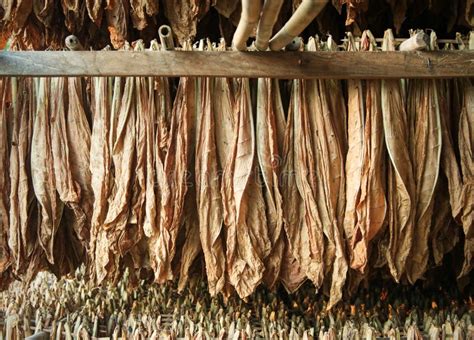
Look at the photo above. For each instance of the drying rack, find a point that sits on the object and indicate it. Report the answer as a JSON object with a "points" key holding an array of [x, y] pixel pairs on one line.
{"points": [[285, 65], [171, 62], [252, 64]]}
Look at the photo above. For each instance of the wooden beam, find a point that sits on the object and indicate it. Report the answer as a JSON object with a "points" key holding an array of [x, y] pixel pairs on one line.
{"points": [[289, 65]]}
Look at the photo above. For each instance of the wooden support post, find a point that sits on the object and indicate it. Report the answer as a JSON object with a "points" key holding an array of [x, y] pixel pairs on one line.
{"points": [[284, 65]]}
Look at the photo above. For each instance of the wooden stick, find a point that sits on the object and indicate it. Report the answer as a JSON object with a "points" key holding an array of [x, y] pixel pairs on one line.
{"points": [[285, 65], [416, 43], [270, 11], [73, 43], [166, 37], [301, 18], [400, 40], [294, 45], [248, 20]]}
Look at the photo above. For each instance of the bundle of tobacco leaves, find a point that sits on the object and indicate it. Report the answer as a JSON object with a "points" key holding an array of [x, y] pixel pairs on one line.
{"points": [[74, 307], [43, 24], [172, 179]]}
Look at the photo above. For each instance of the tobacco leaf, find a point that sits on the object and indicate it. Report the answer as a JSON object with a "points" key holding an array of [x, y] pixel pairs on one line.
{"points": [[192, 247], [209, 201], [184, 16], [65, 185], [337, 106], [18, 15], [466, 146], [36, 263], [399, 10], [119, 203], [100, 164], [172, 181], [401, 186], [5, 96], [152, 7], [337, 5], [452, 13], [137, 12], [11, 223], [354, 163], [330, 183], [371, 206], [302, 221], [43, 171], [29, 230], [291, 274], [327, 175], [18, 168], [4, 37], [269, 142], [425, 145], [30, 37], [161, 104], [191, 232], [7, 8], [226, 7], [116, 13], [297, 250], [74, 14], [79, 141], [151, 121], [353, 8], [137, 212], [95, 11], [6, 278], [224, 120], [244, 210], [470, 12], [68, 188], [449, 161], [444, 233], [44, 10], [156, 148], [68, 250], [124, 149]]}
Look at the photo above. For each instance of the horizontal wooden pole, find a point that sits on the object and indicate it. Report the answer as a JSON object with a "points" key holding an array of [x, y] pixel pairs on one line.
{"points": [[287, 65]]}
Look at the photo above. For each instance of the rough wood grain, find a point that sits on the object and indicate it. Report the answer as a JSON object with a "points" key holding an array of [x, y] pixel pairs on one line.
{"points": [[290, 65]]}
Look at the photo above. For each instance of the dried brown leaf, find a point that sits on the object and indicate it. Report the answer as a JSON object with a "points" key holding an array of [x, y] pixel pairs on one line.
{"points": [[100, 163], [43, 173], [244, 210], [269, 142], [466, 146], [209, 202], [5, 96]]}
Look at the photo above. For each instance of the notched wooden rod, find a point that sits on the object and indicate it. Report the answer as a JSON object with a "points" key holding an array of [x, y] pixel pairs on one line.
{"points": [[166, 37], [73, 43], [417, 42], [283, 65]]}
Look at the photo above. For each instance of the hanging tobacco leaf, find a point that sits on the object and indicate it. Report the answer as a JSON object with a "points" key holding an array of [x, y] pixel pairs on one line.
{"points": [[401, 186], [269, 142], [244, 210]]}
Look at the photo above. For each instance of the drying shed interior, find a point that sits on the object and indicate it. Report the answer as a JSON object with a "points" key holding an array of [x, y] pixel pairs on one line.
{"points": [[200, 169]]}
